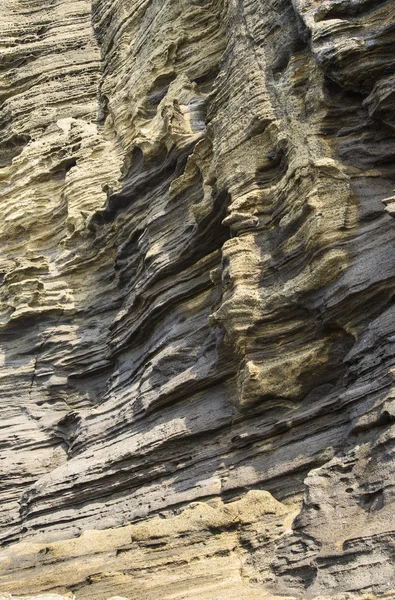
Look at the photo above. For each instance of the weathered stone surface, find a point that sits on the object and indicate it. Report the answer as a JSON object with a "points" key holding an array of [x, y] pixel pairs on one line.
{"points": [[197, 279]]}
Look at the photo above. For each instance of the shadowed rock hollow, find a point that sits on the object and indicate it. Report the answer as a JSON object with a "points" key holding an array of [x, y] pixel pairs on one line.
{"points": [[197, 326]]}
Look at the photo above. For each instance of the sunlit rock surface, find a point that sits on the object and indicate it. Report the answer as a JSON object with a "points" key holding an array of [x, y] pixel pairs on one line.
{"points": [[197, 326]]}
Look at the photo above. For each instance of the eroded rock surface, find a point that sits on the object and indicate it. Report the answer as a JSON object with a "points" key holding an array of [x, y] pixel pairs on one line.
{"points": [[196, 304]]}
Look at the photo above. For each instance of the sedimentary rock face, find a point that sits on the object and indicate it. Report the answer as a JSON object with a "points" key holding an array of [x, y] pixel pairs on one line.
{"points": [[197, 323]]}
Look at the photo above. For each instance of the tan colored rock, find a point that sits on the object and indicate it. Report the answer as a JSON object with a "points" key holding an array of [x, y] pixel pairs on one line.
{"points": [[196, 299]]}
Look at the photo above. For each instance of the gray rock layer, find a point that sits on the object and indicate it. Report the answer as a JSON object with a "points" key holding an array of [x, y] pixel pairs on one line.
{"points": [[196, 300]]}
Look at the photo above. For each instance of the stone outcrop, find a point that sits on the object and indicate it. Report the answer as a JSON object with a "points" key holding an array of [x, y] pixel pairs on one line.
{"points": [[197, 322]]}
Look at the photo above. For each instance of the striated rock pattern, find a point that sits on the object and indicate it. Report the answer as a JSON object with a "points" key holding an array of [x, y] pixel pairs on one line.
{"points": [[197, 325]]}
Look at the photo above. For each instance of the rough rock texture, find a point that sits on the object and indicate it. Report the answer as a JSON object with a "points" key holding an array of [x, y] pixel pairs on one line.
{"points": [[197, 325]]}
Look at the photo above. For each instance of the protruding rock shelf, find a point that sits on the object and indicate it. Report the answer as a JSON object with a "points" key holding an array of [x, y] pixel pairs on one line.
{"points": [[197, 283]]}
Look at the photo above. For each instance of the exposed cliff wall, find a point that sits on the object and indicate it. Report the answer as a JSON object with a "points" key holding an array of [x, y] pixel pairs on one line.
{"points": [[197, 322]]}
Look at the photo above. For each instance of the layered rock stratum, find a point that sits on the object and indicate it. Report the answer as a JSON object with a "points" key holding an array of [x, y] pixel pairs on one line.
{"points": [[197, 326]]}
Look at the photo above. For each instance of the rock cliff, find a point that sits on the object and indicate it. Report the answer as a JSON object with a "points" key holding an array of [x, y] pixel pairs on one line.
{"points": [[197, 326]]}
